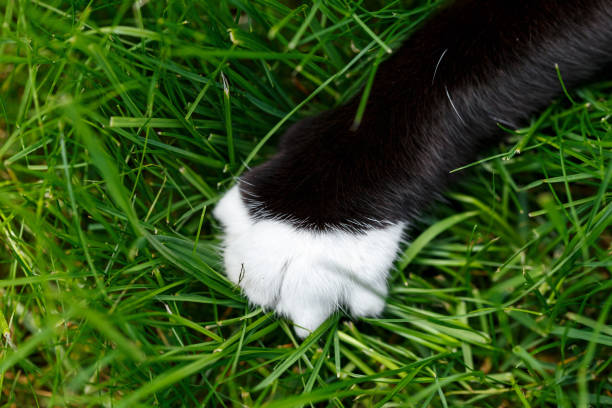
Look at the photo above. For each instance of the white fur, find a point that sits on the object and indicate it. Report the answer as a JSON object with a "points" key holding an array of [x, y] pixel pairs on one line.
{"points": [[306, 275]]}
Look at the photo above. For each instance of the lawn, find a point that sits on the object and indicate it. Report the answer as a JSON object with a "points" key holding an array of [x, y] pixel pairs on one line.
{"points": [[123, 122]]}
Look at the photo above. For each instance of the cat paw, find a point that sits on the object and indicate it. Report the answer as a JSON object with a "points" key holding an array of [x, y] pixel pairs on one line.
{"points": [[302, 274]]}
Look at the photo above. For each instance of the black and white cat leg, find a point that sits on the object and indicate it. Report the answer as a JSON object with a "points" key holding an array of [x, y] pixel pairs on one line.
{"points": [[302, 274]]}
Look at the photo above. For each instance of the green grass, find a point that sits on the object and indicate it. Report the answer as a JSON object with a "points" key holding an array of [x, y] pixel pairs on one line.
{"points": [[120, 126]]}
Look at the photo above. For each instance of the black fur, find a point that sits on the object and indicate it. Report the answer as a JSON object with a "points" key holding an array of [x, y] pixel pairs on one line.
{"points": [[494, 62]]}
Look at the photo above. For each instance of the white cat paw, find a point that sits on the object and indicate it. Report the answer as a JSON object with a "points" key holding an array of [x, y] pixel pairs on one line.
{"points": [[306, 275]]}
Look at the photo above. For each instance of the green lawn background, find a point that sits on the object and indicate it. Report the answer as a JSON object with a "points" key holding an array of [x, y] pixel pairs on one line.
{"points": [[121, 124]]}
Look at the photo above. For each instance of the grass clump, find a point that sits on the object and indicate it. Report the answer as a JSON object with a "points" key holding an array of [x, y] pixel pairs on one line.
{"points": [[122, 122]]}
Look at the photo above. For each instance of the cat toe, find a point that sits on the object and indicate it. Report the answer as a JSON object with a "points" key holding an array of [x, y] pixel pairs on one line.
{"points": [[302, 274]]}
